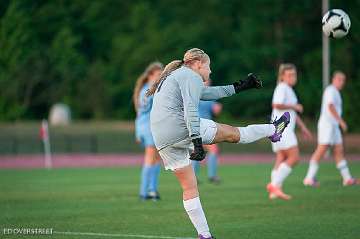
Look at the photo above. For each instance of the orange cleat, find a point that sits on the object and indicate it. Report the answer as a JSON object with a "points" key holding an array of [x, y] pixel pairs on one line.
{"points": [[276, 192], [351, 182]]}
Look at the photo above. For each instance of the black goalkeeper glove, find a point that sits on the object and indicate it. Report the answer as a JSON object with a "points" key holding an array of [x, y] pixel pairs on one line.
{"points": [[199, 153], [251, 81]]}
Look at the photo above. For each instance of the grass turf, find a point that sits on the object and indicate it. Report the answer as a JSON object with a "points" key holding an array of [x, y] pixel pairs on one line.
{"points": [[105, 201]]}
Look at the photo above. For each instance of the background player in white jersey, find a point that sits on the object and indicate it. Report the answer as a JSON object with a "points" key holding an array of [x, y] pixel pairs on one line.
{"points": [[329, 133], [208, 109], [287, 150], [176, 125], [151, 166]]}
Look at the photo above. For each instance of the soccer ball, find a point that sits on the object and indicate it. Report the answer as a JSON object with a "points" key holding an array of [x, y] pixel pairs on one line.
{"points": [[336, 23]]}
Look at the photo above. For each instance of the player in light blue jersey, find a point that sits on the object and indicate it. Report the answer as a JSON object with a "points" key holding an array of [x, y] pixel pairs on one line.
{"points": [[208, 109], [179, 132], [151, 167]]}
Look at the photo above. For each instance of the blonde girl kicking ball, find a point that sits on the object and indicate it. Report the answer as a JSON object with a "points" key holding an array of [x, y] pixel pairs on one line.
{"points": [[179, 133]]}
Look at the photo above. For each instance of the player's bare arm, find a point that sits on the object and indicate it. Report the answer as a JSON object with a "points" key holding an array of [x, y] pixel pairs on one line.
{"points": [[341, 122], [305, 131], [297, 107]]}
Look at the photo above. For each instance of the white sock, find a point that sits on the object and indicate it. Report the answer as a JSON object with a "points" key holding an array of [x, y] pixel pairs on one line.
{"points": [[197, 216], [255, 132], [282, 172], [344, 170], [273, 174], [313, 168]]}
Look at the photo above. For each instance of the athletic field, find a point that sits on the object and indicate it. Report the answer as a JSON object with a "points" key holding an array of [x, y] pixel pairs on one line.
{"points": [[103, 203]]}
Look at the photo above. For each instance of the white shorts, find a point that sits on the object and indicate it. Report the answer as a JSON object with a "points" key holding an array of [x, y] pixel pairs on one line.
{"points": [[178, 155], [288, 140], [329, 134], [208, 130]]}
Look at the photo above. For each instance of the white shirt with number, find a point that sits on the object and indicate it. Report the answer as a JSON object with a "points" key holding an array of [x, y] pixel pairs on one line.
{"points": [[331, 96], [285, 95]]}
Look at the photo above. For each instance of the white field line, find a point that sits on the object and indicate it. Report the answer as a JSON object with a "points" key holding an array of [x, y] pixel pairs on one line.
{"points": [[118, 235]]}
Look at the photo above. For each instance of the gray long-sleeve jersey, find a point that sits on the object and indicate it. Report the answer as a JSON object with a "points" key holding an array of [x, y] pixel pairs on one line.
{"points": [[174, 115]]}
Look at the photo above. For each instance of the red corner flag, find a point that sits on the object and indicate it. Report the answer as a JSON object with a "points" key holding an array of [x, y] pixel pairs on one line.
{"points": [[44, 132]]}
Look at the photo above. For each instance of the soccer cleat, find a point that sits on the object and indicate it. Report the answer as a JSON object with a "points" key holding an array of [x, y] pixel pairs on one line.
{"points": [[351, 182], [276, 192], [155, 196], [202, 237], [280, 126], [311, 182]]}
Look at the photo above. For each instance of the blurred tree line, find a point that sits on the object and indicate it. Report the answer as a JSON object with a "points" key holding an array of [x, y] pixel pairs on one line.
{"points": [[88, 54]]}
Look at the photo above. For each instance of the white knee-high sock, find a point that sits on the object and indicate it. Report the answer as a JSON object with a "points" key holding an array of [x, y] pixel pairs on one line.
{"points": [[255, 132], [273, 174], [313, 168], [282, 172], [344, 169], [197, 216]]}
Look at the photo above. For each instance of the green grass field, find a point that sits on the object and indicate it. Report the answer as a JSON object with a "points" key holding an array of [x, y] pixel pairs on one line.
{"points": [[105, 201]]}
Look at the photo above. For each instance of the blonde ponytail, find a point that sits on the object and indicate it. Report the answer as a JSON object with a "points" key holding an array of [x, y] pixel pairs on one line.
{"points": [[165, 73], [189, 57]]}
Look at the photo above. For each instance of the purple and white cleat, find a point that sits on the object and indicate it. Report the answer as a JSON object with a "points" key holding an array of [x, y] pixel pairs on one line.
{"points": [[202, 237], [280, 126]]}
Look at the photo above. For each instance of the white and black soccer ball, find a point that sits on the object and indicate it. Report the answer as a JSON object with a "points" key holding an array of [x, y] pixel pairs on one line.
{"points": [[336, 23]]}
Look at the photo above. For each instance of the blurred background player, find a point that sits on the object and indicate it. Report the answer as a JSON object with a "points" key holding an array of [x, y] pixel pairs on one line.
{"points": [[208, 109], [151, 166], [287, 150], [179, 132], [329, 133]]}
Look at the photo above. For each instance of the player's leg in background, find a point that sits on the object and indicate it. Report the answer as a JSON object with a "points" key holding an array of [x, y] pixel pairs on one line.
{"points": [[148, 171], [280, 157], [196, 167], [191, 200], [291, 157], [271, 187], [154, 175], [310, 178], [145, 173], [212, 160], [342, 166]]}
